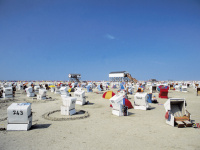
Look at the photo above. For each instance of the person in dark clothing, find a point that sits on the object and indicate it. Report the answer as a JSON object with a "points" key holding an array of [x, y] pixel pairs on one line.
{"points": [[1, 93], [24, 86], [14, 89], [47, 87], [101, 86]]}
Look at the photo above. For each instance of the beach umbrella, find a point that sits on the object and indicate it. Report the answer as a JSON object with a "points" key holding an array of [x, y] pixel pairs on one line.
{"points": [[127, 103], [108, 95], [52, 86]]}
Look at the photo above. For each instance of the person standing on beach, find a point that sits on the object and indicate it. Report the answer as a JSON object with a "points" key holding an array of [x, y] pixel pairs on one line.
{"points": [[24, 86], [32, 87], [101, 86], [14, 89], [1, 93]]}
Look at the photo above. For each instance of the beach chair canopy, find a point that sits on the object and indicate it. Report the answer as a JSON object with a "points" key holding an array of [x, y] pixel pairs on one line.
{"points": [[163, 93], [127, 103], [122, 86]]}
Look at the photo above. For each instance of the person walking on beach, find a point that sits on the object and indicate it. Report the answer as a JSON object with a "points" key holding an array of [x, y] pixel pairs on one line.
{"points": [[101, 86], [1, 93], [32, 87], [24, 86], [14, 89]]}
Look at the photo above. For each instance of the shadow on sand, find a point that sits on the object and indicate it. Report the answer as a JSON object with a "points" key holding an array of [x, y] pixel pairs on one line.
{"points": [[40, 126], [151, 108], [130, 114], [89, 103]]}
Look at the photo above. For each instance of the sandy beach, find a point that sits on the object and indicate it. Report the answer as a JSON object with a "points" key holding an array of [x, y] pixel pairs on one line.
{"points": [[100, 129], [127, 46]]}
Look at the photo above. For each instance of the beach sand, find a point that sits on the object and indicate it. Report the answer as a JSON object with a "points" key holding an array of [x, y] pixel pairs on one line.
{"points": [[101, 130]]}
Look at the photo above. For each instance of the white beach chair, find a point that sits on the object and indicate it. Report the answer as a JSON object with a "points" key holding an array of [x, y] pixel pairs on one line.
{"points": [[177, 113], [184, 88], [80, 95], [30, 92], [64, 91], [19, 116], [42, 94], [140, 101], [117, 106], [7, 92], [68, 107]]}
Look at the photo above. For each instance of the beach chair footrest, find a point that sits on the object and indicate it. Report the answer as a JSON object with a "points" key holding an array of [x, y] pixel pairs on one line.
{"points": [[180, 124]]}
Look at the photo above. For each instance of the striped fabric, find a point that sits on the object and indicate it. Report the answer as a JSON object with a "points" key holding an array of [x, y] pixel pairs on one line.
{"points": [[176, 111]]}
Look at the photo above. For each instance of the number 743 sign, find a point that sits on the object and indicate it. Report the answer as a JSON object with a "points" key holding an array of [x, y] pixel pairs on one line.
{"points": [[16, 112]]}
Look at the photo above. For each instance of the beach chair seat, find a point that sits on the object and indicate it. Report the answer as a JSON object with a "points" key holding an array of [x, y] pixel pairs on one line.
{"points": [[183, 118], [154, 89]]}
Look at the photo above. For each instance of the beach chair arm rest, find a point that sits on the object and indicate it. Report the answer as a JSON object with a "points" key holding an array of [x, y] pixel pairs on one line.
{"points": [[188, 114]]}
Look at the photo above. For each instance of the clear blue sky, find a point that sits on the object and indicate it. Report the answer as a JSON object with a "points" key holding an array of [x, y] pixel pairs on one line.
{"points": [[48, 39]]}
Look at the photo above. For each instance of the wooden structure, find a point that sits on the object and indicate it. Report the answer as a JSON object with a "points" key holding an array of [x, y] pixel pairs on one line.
{"points": [[121, 76], [131, 78], [74, 77]]}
